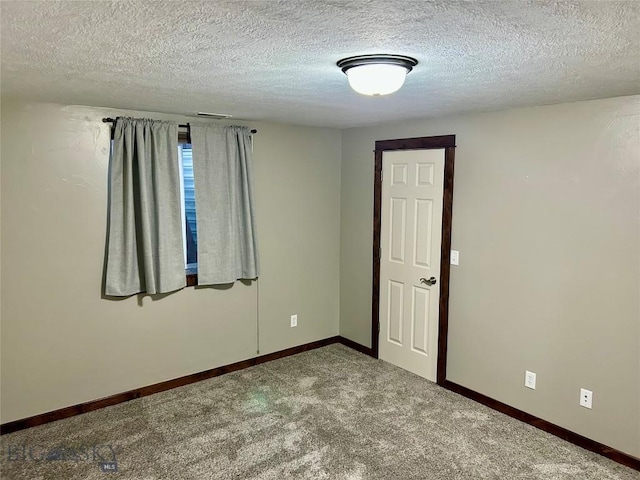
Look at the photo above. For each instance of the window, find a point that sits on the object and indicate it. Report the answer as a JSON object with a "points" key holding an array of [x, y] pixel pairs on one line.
{"points": [[161, 268], [187, 193]]}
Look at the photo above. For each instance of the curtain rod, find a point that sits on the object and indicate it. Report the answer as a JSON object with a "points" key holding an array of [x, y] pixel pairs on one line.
{"points": [[183, 125]]}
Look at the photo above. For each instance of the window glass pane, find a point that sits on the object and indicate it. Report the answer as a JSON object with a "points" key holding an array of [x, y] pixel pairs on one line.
{"points": [[191, 232]]}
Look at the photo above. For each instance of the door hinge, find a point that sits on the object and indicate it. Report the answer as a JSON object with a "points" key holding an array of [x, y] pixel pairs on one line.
{"points": [[381, 175]]}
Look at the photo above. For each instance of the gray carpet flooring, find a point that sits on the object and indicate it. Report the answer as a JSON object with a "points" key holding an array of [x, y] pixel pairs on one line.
{"points": [[331, 413]]}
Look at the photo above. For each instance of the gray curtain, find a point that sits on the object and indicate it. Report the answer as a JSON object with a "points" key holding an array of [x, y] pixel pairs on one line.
{"points": [[225, 209], [144, 252]]}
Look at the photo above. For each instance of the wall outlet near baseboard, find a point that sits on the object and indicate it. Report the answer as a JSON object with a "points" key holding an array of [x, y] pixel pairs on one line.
{"points": [[586, 398], [294, 321], [530, 380]]}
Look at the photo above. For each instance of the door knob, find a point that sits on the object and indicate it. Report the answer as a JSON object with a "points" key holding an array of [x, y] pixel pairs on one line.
{"points": [[431, 281]]}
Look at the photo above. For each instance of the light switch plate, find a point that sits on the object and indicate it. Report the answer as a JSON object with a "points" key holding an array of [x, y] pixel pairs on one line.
{"points": [[455, 257]]}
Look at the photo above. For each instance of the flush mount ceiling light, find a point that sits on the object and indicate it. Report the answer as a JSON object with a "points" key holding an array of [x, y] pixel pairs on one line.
{"points": [[377, 74]]}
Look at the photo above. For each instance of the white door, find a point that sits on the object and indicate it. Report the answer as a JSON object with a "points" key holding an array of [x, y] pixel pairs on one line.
{"points": [[410, 238]]}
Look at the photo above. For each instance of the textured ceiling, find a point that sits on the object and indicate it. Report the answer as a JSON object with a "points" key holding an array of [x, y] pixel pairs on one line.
{"points": [[275, 60]]}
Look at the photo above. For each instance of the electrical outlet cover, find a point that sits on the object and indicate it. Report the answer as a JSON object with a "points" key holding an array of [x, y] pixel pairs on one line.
{"points": [[530, 379], [586, 398]]}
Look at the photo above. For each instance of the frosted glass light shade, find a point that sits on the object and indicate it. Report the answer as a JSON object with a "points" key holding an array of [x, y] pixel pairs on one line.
{"points": [[377, 79], [379, 74]]}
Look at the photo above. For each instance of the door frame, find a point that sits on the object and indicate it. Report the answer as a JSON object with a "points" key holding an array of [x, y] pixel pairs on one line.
{"points": [[448, 143]]}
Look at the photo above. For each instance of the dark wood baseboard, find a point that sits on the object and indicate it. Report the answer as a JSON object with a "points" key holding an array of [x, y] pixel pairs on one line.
{"points": [[356, 346], [156, 388], [586, 443], [569, 436]]}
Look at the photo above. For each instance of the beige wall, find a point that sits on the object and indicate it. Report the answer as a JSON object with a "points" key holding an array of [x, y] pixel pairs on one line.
{"points": [[546, 217], [63, 344], [547, 221]]}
